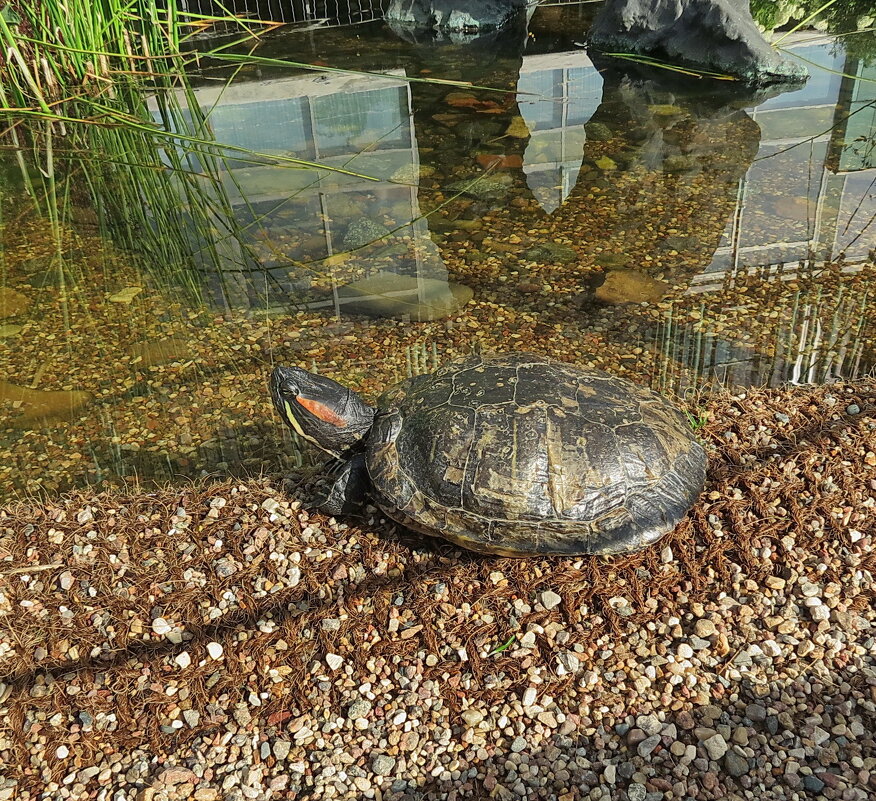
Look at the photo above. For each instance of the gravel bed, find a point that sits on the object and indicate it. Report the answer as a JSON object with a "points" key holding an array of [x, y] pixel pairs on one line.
{"points": [[220, 642]]}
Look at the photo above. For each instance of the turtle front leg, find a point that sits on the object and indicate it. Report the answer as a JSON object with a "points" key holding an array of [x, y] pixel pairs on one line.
{"points": [[347, 491]]}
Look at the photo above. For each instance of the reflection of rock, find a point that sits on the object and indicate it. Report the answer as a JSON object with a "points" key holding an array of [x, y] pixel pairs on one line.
{"points": [[388, 294], [363, 231], [671, 131], [34, 404], [12, 302], [551, 253], [161, 351], [452, 15], [717, 35], [630, 286]]}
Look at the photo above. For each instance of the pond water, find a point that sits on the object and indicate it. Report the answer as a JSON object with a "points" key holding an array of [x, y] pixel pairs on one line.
{"points": [[676, 231]]}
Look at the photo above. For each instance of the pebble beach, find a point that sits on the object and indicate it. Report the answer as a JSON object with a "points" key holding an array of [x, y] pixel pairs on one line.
{"points": [[220, 641]]}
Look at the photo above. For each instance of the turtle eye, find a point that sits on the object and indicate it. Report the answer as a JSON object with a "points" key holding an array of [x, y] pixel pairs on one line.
{"points": [[290, 388]]}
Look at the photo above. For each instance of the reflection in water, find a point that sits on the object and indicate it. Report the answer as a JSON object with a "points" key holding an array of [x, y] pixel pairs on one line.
{"points": [[558, 94], [616, 220], [318, 234]]}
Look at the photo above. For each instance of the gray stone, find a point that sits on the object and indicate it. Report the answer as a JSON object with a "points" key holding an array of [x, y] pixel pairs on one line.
{"points": [[549, 599], [813, 784], [383, 764], [282, 748], [735, 764], [716, 746], [482, 189], [648, 745], [358, 709], [364, 231], [650, 724], [551, 252], [518, 745], [636, 792], [718, 35], [755, 713]]}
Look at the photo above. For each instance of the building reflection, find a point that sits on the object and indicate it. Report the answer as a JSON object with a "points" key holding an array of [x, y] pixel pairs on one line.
{"points": [[820, 210], [557, 95], [300, 236]]}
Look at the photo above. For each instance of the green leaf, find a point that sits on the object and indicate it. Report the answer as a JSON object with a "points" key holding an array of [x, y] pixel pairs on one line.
{"points": [[504, 646], [9, 15]]}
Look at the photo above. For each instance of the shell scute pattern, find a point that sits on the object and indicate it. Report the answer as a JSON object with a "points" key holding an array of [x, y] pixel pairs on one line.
{"points": [[516, 454]]}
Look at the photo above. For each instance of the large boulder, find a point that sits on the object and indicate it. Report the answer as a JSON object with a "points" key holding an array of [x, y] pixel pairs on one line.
{"points": [[453, 15], [715, 35]]}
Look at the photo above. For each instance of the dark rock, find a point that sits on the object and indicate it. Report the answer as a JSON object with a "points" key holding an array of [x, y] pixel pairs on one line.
{"points": [[813, 784], [452, 15], [755, 713], [717, 35], [735, 764], [626, 770]]}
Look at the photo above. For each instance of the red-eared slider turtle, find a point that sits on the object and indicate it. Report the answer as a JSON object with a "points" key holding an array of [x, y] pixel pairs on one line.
{"points": [[512, 454]]}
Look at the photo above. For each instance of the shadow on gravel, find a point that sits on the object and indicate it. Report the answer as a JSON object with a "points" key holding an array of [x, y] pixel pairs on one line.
{"points": [[85, 579]]}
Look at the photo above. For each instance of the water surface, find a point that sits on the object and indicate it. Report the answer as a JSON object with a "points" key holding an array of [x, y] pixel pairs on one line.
{"points": [[678, 232]]}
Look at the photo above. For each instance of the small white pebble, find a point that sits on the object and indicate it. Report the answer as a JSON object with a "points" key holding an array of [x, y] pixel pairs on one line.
{"points": [[62, 752], [215, 650], [183, 659], [160, 626], [334, 661]]}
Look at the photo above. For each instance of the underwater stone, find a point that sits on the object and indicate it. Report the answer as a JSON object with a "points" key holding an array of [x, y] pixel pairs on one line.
{"points": [[12, 302], [43, 405], [598, 132], [630, 286], [718, 35], [483, 189], [363, 231], [551, 252], [388, 294]]}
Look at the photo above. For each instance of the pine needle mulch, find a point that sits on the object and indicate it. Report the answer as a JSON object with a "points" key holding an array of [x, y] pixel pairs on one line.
{"points": [[100, 595]]}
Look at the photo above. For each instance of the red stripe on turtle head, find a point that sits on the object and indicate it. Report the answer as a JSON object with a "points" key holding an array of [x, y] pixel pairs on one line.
{"points": [[322, 411]]}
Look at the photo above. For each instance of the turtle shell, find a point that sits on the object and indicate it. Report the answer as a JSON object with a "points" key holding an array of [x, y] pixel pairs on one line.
{"points": [[518, 454]]}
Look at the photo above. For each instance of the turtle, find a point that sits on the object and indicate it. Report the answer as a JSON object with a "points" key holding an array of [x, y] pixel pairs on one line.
{"points": [[512, 454]]}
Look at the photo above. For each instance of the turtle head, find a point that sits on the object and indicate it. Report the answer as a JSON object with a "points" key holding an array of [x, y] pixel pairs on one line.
{"points": [[321, 410]]}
